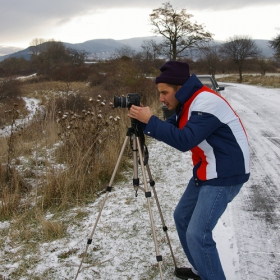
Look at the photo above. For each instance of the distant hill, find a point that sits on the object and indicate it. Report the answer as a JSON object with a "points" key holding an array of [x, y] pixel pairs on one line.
{"points": [[100, 47], [104, 48], [22, 53], [96, 46], [136, 43], [264, 46]]}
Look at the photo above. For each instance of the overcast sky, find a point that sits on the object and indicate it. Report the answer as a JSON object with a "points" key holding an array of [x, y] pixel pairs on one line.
{"points": [[81, 20]]}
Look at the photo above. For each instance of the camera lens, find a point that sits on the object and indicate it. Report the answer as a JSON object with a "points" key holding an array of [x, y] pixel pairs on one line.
{"points": [[120, 102]]}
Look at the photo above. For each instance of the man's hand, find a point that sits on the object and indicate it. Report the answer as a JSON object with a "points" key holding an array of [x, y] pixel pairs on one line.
{"points": [[142, 114]]}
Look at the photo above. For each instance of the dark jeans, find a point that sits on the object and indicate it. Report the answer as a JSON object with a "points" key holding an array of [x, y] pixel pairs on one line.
{"points": [[196, 215]]}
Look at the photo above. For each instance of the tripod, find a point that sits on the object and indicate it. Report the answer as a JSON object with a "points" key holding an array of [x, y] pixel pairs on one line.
{"points": [[136, 136]]}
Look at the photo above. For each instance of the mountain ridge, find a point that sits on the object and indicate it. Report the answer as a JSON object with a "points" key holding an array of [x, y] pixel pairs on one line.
{"points": [[103, 48]]}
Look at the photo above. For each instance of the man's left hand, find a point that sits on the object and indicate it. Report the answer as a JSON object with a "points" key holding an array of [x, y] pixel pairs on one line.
{"points": [[142, 114]]}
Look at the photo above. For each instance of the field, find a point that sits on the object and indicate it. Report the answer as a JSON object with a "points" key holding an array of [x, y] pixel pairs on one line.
{"points": [[268, 80], [56, 160]]}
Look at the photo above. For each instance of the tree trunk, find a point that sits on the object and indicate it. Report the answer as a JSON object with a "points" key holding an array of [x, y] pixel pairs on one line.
{"points": [[174, 51], [240, 73]]}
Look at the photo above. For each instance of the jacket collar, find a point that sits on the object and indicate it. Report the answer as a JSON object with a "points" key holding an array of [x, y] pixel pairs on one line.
{"points": [[188, 89]]}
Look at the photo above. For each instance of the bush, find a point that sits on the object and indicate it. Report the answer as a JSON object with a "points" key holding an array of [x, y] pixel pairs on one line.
{"points": [[69, 73], [9, 88], [88, 140], [10, 101]]}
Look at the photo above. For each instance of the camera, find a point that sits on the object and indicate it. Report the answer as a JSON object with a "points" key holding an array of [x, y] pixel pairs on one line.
{"points": [[127, 101]]}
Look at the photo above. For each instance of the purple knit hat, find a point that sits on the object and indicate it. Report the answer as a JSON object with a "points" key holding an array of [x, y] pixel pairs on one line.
{"points": [[174, 72]]}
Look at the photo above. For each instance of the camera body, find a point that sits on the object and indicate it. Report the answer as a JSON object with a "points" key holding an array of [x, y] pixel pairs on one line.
{"points": [[127, 101]]}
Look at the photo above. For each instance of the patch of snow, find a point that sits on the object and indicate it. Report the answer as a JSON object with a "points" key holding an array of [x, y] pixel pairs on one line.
{"points": [[26, 77], [32, 105]]}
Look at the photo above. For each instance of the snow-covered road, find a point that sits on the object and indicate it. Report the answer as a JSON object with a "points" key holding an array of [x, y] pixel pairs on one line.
{"points": [[256, 212]]}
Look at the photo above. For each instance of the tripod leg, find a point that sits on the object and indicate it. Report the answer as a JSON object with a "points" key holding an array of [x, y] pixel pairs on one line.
{"points": [[148, 195], [109, 188], [164, 227]]}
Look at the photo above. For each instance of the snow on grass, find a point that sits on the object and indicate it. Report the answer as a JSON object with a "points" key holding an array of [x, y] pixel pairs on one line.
{"points": [[32, 105]]}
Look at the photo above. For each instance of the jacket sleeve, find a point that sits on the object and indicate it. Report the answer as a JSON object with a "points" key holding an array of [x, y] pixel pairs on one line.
{"points": [[172, 119], [198, 128]]}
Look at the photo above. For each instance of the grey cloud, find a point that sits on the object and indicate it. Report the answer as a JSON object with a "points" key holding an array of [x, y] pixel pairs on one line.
{"points": [[24, 11], [19, 17]]}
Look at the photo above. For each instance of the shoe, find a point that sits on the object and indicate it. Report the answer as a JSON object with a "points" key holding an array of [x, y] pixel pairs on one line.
{"points": [[185, 273]]}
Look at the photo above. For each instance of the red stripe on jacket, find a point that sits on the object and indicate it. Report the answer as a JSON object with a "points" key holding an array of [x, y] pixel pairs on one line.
{"points": [[197, 153]]}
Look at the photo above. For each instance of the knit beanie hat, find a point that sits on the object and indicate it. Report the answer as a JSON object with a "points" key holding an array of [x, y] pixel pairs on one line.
{"points": [[174, 72]]}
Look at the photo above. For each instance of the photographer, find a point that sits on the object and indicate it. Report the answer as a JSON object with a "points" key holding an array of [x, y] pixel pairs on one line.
{"points": [[206, 125]]}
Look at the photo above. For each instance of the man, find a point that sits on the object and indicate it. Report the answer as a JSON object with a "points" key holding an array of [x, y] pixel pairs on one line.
{"points": [[206, 125]]}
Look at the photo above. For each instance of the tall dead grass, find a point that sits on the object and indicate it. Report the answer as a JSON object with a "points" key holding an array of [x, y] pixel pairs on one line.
{"points": [[65, 155], [261, 80], [89, 142]]}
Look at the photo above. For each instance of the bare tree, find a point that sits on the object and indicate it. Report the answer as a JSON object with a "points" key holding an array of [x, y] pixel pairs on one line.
{"points": [[275, 45], [77, 56], [264, 65], [178, 32], [37, 46], [125, 52], [151, 49], [238, 49], [56, 53], [210, 55]]}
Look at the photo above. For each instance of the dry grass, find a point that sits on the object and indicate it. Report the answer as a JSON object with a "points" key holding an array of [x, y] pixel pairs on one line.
{"points": [[260, 80], [65, 174], [43, 88], [65, 155], [52, 230]]}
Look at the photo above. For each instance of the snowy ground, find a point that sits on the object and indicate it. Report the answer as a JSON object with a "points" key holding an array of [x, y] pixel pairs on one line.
{"points": [[257, 210], [31, 106], [247, 234]]}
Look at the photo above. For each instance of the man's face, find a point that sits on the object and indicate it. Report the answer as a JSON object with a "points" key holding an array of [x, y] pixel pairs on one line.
{"points": [[167, 95]]}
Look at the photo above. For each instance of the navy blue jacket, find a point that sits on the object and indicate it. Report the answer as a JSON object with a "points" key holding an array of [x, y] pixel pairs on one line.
{"points": [[206, 125]]}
